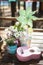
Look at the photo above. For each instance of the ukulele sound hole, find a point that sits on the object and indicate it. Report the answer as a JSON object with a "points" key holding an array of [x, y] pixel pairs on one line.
{"points": [[31, 50]]}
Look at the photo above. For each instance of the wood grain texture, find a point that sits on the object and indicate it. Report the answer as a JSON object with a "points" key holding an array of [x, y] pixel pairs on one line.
{"points": [[7, 59]]}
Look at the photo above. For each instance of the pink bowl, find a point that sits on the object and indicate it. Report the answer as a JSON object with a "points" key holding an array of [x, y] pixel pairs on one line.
{"points": [[26, 54]]}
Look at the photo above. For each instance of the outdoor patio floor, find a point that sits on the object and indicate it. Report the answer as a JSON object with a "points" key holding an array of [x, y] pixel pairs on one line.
{"points": [[8, 59]]}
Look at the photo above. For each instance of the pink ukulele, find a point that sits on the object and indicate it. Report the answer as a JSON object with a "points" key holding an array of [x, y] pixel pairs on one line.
{"points": [[26, 54]]}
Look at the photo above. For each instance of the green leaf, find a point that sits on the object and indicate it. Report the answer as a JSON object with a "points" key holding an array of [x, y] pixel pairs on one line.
{"points": [[22, 12], [33, 12], [30, 23], [22, 20], [33, 18], [28, 11], [26, 17], [10, 41]]}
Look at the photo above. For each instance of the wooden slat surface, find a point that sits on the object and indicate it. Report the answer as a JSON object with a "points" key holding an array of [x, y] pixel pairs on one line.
{"points": [[37, 39], [8, 18], [37, 30], [32, 63], [14, 18]]}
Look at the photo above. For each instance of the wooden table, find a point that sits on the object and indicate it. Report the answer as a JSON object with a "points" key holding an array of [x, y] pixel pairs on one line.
{"points": [[8, 59]]}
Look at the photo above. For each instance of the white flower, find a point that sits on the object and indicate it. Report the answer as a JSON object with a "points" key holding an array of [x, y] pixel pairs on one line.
{"points": [[16, 35], [8, 33], [25, 27], [17, 23]]}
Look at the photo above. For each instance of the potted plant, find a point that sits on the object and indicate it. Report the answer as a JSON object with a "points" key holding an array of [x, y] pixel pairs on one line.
{"points": [[11, 45], [23, 28], [26, 18]]}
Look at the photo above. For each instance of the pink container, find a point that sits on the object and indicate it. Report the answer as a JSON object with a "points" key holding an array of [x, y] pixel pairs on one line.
{"points": [[26, 54]]}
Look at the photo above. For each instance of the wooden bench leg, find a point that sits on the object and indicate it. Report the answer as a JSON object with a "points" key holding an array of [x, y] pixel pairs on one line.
{"points": [[34, 6], [33, 9], [18, 4], [13, 10], [24, 6], [41, 8]]}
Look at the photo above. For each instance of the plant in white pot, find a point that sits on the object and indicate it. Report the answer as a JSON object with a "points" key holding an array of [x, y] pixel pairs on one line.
{"points": [[26, 18]]}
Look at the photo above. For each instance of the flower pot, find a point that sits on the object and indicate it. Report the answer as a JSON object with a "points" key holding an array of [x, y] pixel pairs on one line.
{"points": [[25, 39], [11, 49]]}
